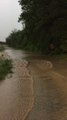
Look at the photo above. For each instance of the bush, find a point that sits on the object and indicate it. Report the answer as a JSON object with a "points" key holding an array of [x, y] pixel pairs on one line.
{"points": [[5, 68]]}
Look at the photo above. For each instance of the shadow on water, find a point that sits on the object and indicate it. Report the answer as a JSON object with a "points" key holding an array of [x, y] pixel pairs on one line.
{"points": [[30, 56]]}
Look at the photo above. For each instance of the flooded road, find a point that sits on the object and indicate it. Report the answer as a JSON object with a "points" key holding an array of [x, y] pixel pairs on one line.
{"points": [[16, 91], [50, 92], [34, 91]]}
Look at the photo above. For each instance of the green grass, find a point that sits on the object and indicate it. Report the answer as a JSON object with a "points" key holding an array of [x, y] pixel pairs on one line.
{"points": [[5, 68], [2, 48], [61, 57]]}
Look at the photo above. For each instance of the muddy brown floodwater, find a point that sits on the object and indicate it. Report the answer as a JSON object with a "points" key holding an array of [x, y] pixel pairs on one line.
{"points": [[16, 91], [35, 91], [50, 92]]}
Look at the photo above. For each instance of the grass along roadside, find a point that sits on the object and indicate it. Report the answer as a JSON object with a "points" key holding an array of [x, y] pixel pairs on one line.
{"points": [[2, 48], [5, 68], [62, 57], [5, 63]]}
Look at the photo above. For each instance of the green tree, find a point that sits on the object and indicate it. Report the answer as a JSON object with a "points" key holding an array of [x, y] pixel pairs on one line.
{"points": [[45, 23]]}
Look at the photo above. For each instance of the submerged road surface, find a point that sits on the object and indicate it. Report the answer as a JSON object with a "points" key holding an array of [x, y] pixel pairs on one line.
{"points": [[33, 92], [50, 92], [16, 91]]}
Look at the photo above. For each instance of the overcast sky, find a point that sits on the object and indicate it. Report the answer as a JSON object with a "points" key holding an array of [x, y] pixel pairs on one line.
{"points": [[9, 13]]}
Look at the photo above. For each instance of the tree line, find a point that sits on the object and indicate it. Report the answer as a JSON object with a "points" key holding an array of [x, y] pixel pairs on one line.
{"points": [[45, 26]]}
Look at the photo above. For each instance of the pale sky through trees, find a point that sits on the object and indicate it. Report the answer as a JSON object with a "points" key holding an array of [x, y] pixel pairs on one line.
{"points": [[9, 13]]}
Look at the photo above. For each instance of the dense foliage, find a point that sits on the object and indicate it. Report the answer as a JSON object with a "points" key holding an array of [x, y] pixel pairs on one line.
{"points": [[5, 68], [45, 26]]}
